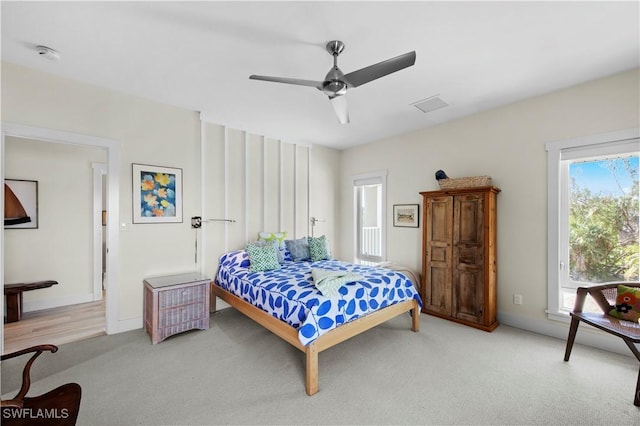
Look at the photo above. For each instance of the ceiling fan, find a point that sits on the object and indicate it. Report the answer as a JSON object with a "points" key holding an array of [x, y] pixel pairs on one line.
{"points": [[336, 82]]}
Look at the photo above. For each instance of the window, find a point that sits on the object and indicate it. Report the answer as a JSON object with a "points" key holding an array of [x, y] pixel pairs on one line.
{"points": [[369, 201], [593, 215]]}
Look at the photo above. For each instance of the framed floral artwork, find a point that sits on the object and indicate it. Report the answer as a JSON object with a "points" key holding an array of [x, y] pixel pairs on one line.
{"points": [[157, 194]]}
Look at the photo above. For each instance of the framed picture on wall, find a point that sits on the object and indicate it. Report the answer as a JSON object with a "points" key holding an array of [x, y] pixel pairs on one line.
{"points": [[157, 194], [405, 215], [20, 204]]}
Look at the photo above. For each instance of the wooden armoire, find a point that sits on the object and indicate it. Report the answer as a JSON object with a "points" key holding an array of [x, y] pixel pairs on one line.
{"points": [[459, 255]]}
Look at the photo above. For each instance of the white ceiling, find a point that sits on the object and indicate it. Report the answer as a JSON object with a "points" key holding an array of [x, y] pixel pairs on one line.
{"points": [[199, 55]]}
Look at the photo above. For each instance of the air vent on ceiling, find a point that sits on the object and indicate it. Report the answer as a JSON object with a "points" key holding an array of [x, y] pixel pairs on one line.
{"points": [[430, 104]]}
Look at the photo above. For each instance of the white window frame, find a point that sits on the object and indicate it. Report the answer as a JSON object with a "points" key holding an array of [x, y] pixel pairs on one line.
{"points": [[557, 201], [372, 178]]}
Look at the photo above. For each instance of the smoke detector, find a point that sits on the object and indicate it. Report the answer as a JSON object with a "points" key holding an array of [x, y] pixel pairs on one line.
{"points": [[47, 52]]}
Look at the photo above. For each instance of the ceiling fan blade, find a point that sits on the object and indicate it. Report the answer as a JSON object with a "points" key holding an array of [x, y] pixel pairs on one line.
{"points": [[296, 81], [372, 72], [339, 104]]}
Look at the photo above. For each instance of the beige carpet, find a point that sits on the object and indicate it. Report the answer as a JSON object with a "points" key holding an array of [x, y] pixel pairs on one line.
{"points": [[239, 373]]}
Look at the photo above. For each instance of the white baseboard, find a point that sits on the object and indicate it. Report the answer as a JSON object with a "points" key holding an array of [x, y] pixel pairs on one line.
{"points": [[129, 324], [136, 323], [587, 335], [38, 305]]}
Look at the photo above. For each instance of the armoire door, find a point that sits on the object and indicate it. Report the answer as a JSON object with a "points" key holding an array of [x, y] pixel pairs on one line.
{"points": [[438, 254], [468, 257]]}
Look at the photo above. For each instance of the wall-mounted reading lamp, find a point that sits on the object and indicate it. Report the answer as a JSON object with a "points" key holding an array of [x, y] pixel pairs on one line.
{"points": [[314, 220], [196, 222]]}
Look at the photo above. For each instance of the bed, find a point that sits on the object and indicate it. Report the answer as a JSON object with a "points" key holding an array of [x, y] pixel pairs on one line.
{"points": [[287, 302]]}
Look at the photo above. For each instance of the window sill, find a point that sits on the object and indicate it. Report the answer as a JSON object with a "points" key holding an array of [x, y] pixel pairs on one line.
{"points": [[561, 316]]}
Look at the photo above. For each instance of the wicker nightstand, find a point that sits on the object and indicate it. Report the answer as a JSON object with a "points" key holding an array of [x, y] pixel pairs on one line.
{"points": [[175, 303]]}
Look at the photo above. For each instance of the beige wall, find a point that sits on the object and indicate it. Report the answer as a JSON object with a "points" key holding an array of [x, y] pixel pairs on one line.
{"points": [[507, 144], [157, 134]]}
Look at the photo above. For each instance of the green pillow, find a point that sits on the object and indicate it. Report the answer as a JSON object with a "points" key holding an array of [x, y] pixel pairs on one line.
{"points": [[279, 238], [269, 236], [627, 304], [318, 248], [263, 256]]}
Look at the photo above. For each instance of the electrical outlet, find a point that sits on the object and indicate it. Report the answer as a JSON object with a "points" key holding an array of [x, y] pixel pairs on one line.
{"points": [[517, 299]]}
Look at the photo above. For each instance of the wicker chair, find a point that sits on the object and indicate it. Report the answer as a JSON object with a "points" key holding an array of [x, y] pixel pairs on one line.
{"points": [[605, 296], [57, 407]]}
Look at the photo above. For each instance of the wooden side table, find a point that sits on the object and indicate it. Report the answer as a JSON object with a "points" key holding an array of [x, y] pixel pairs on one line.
{"points": [[175, 303], [13, 296]]}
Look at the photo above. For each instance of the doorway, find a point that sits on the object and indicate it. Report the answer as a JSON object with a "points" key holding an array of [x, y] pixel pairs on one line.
{"points": [[112, 149]]}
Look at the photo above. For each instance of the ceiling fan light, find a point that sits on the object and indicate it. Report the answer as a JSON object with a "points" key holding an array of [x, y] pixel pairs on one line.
{"points": [[339, 104], [334, 88]]}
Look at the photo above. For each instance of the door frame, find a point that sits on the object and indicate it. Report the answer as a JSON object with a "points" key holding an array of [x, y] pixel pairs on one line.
{"points": [[99, 170], [113, 196]]}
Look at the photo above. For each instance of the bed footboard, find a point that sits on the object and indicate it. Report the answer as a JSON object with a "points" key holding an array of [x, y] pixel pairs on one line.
{"points": [[332, 338]]}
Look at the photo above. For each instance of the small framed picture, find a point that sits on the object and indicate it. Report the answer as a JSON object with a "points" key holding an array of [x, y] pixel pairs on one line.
{"points": [[157, 194], [20, 204], [406, 215]]}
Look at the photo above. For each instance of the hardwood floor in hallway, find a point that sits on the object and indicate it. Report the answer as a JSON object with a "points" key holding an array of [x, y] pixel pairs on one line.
{"points": [[55, 326]]}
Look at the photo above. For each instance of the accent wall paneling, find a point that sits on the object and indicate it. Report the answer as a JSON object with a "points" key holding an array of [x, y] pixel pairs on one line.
{"points": [[250, 184], [234, 197], [212, 234], [287, 189], [271, 184], [302, 191], [254, 172]]}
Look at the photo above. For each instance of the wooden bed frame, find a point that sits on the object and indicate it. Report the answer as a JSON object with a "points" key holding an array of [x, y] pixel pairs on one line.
{"points": [[332, 338]]}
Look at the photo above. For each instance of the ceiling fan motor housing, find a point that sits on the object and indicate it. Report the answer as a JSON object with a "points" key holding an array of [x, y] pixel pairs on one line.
{"points": [[334, 83], [334, 88]]}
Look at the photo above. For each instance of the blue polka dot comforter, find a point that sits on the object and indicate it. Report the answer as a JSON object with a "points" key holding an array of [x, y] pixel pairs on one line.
{"points": [[289, 294]]}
